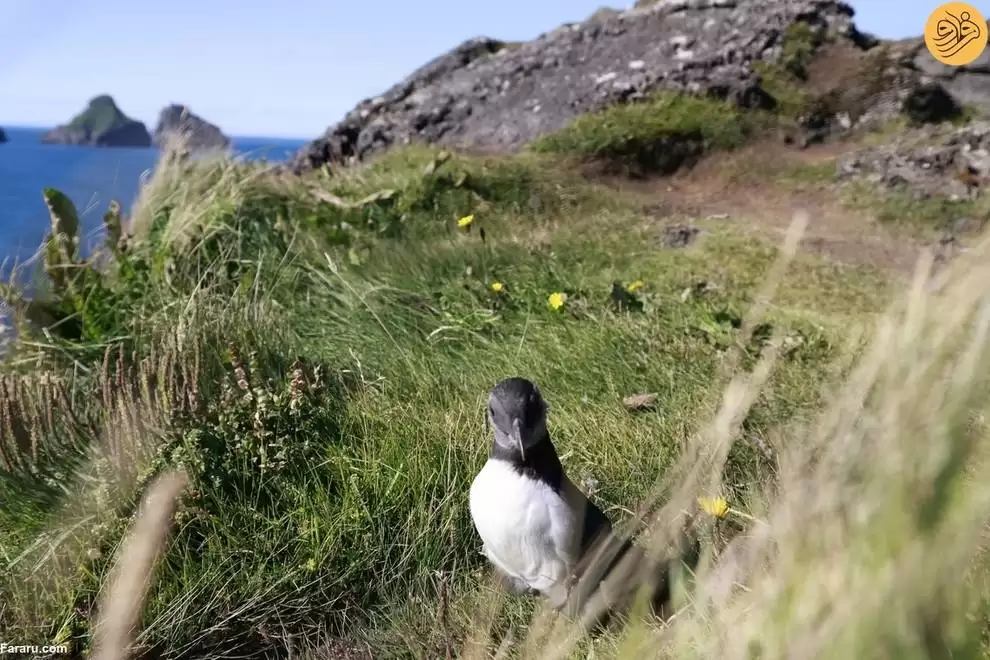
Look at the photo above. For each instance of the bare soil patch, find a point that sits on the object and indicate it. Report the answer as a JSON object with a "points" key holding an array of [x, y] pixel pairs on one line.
{"points": [[759, 188]]}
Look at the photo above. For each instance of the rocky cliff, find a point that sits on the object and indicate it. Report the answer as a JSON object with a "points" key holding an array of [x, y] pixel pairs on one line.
{"points": [[179, 122], [948, 161], [491, 95], [101, 124]]}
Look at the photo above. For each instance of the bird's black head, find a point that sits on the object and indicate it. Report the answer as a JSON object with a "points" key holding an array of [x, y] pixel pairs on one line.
{"points": [[518, 415]]}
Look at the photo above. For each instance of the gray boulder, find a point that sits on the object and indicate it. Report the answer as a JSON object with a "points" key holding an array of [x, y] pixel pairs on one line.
{"points": [[969, 84]]}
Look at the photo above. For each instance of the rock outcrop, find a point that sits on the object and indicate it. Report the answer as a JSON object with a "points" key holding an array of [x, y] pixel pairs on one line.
{"points": [[493, 96], [951, 162], [3, 136], [101, 124], [969, 84], [178, 122], [937, 161]]}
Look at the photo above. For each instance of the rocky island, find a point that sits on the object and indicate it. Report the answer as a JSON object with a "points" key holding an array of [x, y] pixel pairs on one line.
{"points": [[3, 136], [178, 121], [101, 124]]}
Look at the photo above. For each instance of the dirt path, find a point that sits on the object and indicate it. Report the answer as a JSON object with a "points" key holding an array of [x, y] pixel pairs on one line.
{"points": [[760, 188]]}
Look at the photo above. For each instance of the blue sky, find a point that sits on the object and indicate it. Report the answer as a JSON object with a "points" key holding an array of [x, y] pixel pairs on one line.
{"points": [[257, 67]]}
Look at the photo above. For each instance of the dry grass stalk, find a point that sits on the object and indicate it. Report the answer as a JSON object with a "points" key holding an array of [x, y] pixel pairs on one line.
{"points": [[48, 412], [122, 601]]}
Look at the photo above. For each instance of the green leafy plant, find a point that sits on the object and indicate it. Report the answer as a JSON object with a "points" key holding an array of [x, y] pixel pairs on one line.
{"points": [[78, 299], [258, 428]]}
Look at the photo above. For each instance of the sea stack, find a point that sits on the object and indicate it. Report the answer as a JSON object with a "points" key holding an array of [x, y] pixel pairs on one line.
{"points": [[101, 124], [178, 122]]}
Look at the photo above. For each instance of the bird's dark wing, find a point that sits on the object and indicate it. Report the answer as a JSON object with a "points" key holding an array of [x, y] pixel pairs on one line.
{"points": [[602, 553], [626, 566], [594, 523]]}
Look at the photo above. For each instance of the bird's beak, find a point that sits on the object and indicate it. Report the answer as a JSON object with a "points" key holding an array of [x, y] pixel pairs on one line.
{"points": [[517, 435]]}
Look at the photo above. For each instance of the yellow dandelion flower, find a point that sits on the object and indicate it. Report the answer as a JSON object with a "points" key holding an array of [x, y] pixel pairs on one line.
{"points": [[557, 300], [716, 507], [466, 221], [498, 287], [633, 287]]}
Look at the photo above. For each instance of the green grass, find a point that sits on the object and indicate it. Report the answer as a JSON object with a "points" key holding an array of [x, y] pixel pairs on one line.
{"points": [[798, 48], [315, 356], [792, 98], [934, 213], [657, 135], [785, 78], [786, 174]]}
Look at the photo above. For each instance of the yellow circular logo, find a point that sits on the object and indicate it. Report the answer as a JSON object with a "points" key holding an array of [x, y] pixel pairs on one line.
{"points": [[956, 33]]}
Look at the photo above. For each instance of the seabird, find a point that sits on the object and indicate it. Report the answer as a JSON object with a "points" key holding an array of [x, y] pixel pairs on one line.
{"points": [[537, 528], [533, 521]]}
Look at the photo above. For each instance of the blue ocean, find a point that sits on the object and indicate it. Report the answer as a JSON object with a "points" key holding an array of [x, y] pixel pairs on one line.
{"points": [[90, 176]]}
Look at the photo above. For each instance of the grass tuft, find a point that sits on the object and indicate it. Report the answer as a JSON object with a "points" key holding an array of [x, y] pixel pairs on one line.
{"points": [[658, 135]]}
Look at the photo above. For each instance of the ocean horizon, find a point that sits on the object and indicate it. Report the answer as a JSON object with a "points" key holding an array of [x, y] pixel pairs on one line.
{"points": [[90, 176]]}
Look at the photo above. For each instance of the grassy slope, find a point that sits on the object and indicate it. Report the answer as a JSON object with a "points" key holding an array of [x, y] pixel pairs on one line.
{"points": [[329, 492]]}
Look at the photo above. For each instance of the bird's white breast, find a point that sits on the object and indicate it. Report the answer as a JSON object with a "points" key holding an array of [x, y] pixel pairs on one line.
{"points": [[528, 530]]}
